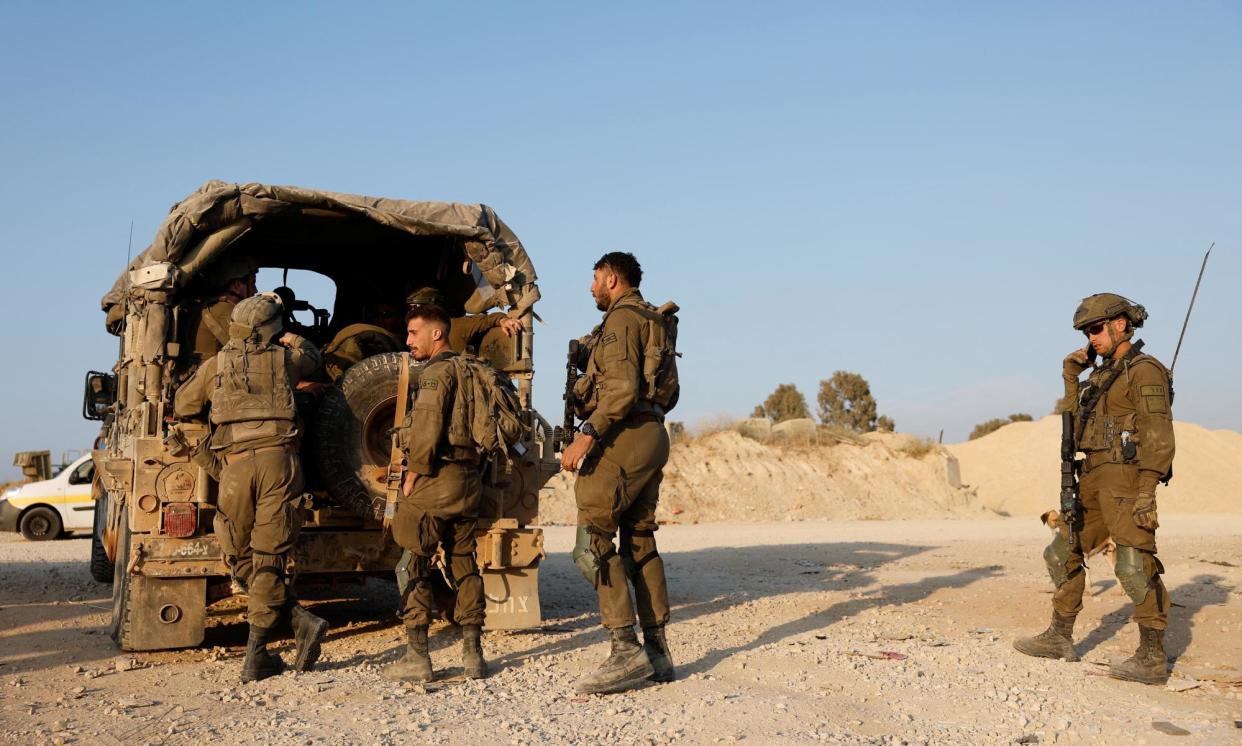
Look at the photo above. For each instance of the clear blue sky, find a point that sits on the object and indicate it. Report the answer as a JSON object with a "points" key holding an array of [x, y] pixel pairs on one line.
{"points": [[917, 192]]}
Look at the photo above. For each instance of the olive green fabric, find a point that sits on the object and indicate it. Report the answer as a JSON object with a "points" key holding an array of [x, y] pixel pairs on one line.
{"points": [[199, 230], [442, 508], [257, 523], [1103, 306], [258, 317], [436, 430], [252, 384], [1108, 495], [468, 331], [211, 326], [613, 385], [1137, 404], [302, 359], [355, 343], [421, 534], [617, 491], [256, 519]]}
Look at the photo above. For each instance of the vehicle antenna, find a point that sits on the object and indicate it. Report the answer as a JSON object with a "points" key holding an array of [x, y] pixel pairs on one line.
{"points": [[1190, 307]]}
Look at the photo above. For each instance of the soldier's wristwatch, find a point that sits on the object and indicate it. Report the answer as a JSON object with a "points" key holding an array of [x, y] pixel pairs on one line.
{"points": [[588, 429]]}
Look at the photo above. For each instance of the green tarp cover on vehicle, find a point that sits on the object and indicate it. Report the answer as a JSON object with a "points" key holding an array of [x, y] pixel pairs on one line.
{"points": [[204, 224]]}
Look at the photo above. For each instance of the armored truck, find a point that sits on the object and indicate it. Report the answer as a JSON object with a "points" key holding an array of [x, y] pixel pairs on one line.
{"points": [[153, 535]]}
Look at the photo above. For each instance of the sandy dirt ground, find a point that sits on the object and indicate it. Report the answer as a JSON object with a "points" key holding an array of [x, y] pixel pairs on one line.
{"points": [[842, 632]]}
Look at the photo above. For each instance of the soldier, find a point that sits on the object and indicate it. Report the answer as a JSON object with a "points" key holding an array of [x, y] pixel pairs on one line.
{"points": [[249, 387], [235, 280], [439, 503], [619, 454], [465, 331], [1124, 428]]}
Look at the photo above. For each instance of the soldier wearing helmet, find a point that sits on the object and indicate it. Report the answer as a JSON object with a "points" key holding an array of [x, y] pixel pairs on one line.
{"points": [[247, 389], [233, 280], [465, 331], [1124, 429]]}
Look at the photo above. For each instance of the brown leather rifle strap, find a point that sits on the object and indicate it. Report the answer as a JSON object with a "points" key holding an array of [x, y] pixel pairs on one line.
{"points": [[396, 461]]}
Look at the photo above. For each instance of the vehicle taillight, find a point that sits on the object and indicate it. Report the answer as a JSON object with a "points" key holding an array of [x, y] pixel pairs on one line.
{"points": [[180, 519]]}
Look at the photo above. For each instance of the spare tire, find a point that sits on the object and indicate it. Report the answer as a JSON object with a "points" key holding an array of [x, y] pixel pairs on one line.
{"points": [[351, 436]]}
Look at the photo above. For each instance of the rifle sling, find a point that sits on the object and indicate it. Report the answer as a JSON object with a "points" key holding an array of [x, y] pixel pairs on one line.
{"points": [[396, 458], [1106, 382]]}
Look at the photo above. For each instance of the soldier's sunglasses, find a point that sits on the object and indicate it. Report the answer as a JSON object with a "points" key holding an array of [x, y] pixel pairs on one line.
{"points": [[1095, 328]]}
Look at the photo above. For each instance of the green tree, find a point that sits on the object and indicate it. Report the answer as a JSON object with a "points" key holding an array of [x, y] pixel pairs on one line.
{"points": [[785, 403], [845, 400], [991, 426]]}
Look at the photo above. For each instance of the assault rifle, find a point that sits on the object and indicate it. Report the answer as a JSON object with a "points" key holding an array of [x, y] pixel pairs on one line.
{"points": [[563, 434], [1071, 467]]}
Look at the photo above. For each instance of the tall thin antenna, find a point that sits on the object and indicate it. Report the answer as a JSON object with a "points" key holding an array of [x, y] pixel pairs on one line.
{"points": [[1191, 307]]}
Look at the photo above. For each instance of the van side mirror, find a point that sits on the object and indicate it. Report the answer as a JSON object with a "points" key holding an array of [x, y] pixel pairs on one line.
{"points": [[99, 396]]}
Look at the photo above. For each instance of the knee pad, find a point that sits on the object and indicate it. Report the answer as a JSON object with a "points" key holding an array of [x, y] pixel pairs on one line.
{"points": [[1132, 573], [273, 564], [593, 559], [1056, 557]]}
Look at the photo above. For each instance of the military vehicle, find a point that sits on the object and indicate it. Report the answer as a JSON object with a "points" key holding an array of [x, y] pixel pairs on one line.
{"points": [[153, 539]]}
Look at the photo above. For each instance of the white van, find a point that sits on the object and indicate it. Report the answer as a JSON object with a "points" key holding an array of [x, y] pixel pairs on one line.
{"points": [[45, 510]]}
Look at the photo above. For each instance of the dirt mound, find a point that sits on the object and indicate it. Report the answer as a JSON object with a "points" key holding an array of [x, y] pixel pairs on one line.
{"points": [[1015, 470], [727, 477]]}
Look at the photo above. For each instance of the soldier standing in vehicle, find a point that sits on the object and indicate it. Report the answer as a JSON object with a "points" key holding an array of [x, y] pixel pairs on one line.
{"points": [[630, 382], [439, 503], [248, 388], [1124, 428], [234, 280]]}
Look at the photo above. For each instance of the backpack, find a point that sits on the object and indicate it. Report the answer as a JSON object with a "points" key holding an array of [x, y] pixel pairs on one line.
{"points": [[488, 405], [660, 384]]}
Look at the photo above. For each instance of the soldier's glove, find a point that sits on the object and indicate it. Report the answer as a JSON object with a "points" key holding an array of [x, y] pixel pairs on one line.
{"points": [[1145, 512], [1075, 363]]}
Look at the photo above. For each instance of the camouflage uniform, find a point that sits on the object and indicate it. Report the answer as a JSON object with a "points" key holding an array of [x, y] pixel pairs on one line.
{"points": [[618, 484], [1128, 447], [440, 512], [249, 386]]}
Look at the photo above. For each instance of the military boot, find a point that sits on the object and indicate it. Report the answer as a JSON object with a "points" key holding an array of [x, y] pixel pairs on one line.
{"points": [[1055, 642], [1149, 664], [259, 663], [308, 632], [472, 652], [627, 666], [655, 642], [415, 665]]}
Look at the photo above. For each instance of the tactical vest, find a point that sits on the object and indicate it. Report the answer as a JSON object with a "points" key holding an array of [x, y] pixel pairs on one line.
{"points": [[659, 384], [1110, 433], [252, 383]]}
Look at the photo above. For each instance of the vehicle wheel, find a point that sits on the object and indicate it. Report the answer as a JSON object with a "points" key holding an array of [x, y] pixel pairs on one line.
{"points": [[121, 587], [351, 433], [101, 567], [41, 524]]}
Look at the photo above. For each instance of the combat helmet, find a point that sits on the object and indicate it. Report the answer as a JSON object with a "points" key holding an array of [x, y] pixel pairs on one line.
{"points": [[1104, 306], [427, 296], [259, 316], [223, 271]]}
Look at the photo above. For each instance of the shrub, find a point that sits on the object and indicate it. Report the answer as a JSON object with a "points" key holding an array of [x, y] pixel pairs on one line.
{"points": [[785, 403], [845, 400], [991, 426]]}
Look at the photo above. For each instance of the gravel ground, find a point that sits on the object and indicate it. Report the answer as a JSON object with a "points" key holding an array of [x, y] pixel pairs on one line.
{"points": [[841, 632]]}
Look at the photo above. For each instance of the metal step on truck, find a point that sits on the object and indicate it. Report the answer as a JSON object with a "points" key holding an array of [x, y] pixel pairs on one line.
{"points": [[153, 535]]}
